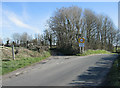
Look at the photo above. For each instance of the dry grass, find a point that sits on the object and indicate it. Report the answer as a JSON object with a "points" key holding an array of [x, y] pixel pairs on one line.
{"points": [[22, 52], [23, 58]]}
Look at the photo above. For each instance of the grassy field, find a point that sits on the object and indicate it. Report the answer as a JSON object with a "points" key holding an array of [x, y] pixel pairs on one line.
{"points": [[90, 52], [113, 77], [24, 58], [11, 65]]}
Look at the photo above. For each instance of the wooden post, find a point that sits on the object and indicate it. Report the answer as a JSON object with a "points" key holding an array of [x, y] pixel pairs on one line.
{"points": [[13, 54], [81, 50]]}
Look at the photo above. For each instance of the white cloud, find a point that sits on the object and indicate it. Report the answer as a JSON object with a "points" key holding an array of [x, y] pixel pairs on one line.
{"points": [[18, 21]]}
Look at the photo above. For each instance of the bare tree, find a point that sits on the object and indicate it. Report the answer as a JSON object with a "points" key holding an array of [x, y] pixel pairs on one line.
{"points": [[66, 25], [48, 35], [91, 26], [24, 38], [16, 38]]}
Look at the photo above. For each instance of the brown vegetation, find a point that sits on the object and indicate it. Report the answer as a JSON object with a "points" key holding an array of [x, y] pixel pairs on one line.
{"points": [[21, 52]]}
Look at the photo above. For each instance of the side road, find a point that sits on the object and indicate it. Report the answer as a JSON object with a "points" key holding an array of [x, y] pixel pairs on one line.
{"points": [[63, 71]]}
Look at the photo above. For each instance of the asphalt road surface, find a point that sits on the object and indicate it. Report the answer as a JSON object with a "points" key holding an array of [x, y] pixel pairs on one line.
{"points": [[64, 71]]}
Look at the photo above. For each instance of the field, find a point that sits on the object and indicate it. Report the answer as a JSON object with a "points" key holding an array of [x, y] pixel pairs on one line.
{"points": [[23, 58]]}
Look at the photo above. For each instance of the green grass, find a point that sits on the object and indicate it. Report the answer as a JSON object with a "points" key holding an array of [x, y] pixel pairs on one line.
{"points": [[89, 52], [113, 77], [9, 66], [118, 49]]}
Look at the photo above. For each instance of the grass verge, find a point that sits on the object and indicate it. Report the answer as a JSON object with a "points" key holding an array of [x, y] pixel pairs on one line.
{"points": [[11, 65], [89, 52], [113, 77]]}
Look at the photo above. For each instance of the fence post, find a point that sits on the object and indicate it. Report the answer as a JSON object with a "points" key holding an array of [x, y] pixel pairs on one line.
{"points": [[13, 54], [82, 49]]}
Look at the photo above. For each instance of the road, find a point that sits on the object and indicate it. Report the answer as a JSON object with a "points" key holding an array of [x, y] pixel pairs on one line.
{"points": [[64, 71]]}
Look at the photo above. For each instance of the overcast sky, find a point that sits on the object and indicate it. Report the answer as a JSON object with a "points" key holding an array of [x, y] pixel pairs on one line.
{"points": [[31, 17]]}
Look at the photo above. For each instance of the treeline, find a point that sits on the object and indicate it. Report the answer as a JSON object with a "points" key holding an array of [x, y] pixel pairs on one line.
{"points": [[69, 22], [25, 38], [37, 42], [66, 25]]}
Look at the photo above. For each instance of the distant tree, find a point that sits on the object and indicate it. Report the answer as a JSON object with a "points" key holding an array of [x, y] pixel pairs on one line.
{"points": [[16, 37], [41, 39], [24, 38], [7, 42], [48, 37]]}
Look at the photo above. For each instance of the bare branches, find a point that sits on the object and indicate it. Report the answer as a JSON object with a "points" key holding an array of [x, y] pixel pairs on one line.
{"points": [[67, 23]]}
